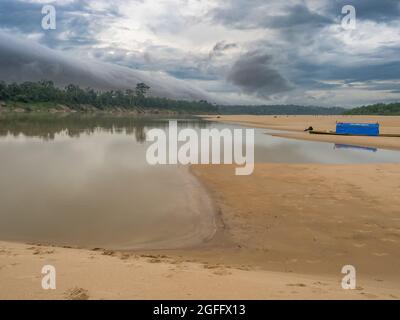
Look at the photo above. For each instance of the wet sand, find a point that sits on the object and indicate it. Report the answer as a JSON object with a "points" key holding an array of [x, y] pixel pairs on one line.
{"points": [[284, 233], [311, 218], [295, 126]]}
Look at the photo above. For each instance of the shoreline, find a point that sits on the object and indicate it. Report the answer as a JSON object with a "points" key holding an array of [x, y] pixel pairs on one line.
{"points": [[84, 275], [282, 233], [387, 143], [291, 248], [295, 125]]}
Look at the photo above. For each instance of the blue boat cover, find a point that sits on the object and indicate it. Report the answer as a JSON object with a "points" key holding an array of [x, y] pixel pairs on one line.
{"points": [[367, 129]]}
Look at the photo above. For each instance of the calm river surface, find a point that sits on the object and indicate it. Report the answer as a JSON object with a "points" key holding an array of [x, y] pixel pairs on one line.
{"points": [[84, 181]]}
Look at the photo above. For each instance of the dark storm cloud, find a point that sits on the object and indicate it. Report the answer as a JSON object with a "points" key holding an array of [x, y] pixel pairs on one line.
{"points": [[382, 65], [376, 76], [300, 27], [295, 24], [295, 16], [382, 71], [243, 14], [253, 73]]}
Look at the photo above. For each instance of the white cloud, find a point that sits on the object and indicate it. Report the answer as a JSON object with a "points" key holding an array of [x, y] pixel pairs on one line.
{"points": [[304, 39]]}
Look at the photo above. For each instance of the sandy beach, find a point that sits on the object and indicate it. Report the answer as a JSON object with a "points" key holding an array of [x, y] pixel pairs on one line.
{"points": [[295, 125], [284, 232], [96, 275]]}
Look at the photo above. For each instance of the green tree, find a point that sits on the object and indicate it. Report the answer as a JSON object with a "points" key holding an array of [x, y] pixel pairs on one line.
{"points": [[141, 90]]}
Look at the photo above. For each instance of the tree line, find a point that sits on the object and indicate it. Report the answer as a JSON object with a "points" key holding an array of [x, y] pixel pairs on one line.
{"points": [[376, 109], [45, 93], [280, 110], [74, 97]]}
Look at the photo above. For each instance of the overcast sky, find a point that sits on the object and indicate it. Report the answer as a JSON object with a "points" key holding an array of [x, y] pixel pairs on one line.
{"points": [[234, 51]]}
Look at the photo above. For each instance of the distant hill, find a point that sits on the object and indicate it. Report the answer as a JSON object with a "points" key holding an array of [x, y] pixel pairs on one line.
{"points": [[280, 110], [376, 109]]}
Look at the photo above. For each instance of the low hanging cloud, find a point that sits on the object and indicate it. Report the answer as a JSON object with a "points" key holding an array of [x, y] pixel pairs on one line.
{"points": [[23, 60], [253, 73], [115, 44]]}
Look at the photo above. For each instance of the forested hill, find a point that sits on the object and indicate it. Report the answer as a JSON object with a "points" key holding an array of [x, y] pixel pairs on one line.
{"points": [[280, 110], [45, 96], [376, 109]]}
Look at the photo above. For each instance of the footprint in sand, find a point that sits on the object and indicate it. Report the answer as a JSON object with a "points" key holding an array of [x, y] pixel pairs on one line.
{"points": [[39, 250], [43, 251], [222, 272], [210, 266], [5, 252], [125, 256], [244, 268], [77, 294], [296, 285], [218, 270], [369, 295], [108, 253], [319, 283]]}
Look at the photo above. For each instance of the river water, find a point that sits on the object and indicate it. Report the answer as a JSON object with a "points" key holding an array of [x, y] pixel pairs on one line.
{"points": [[84, 181]]}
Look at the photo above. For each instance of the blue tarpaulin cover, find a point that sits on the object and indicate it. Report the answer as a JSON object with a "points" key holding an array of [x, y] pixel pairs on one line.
{"points": [[367, 129]]}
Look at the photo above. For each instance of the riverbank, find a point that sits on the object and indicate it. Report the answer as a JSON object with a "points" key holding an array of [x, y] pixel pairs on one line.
{"points": [[161, 108], [295, 125], [59, 109], [83, 274], [285, 232]]}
